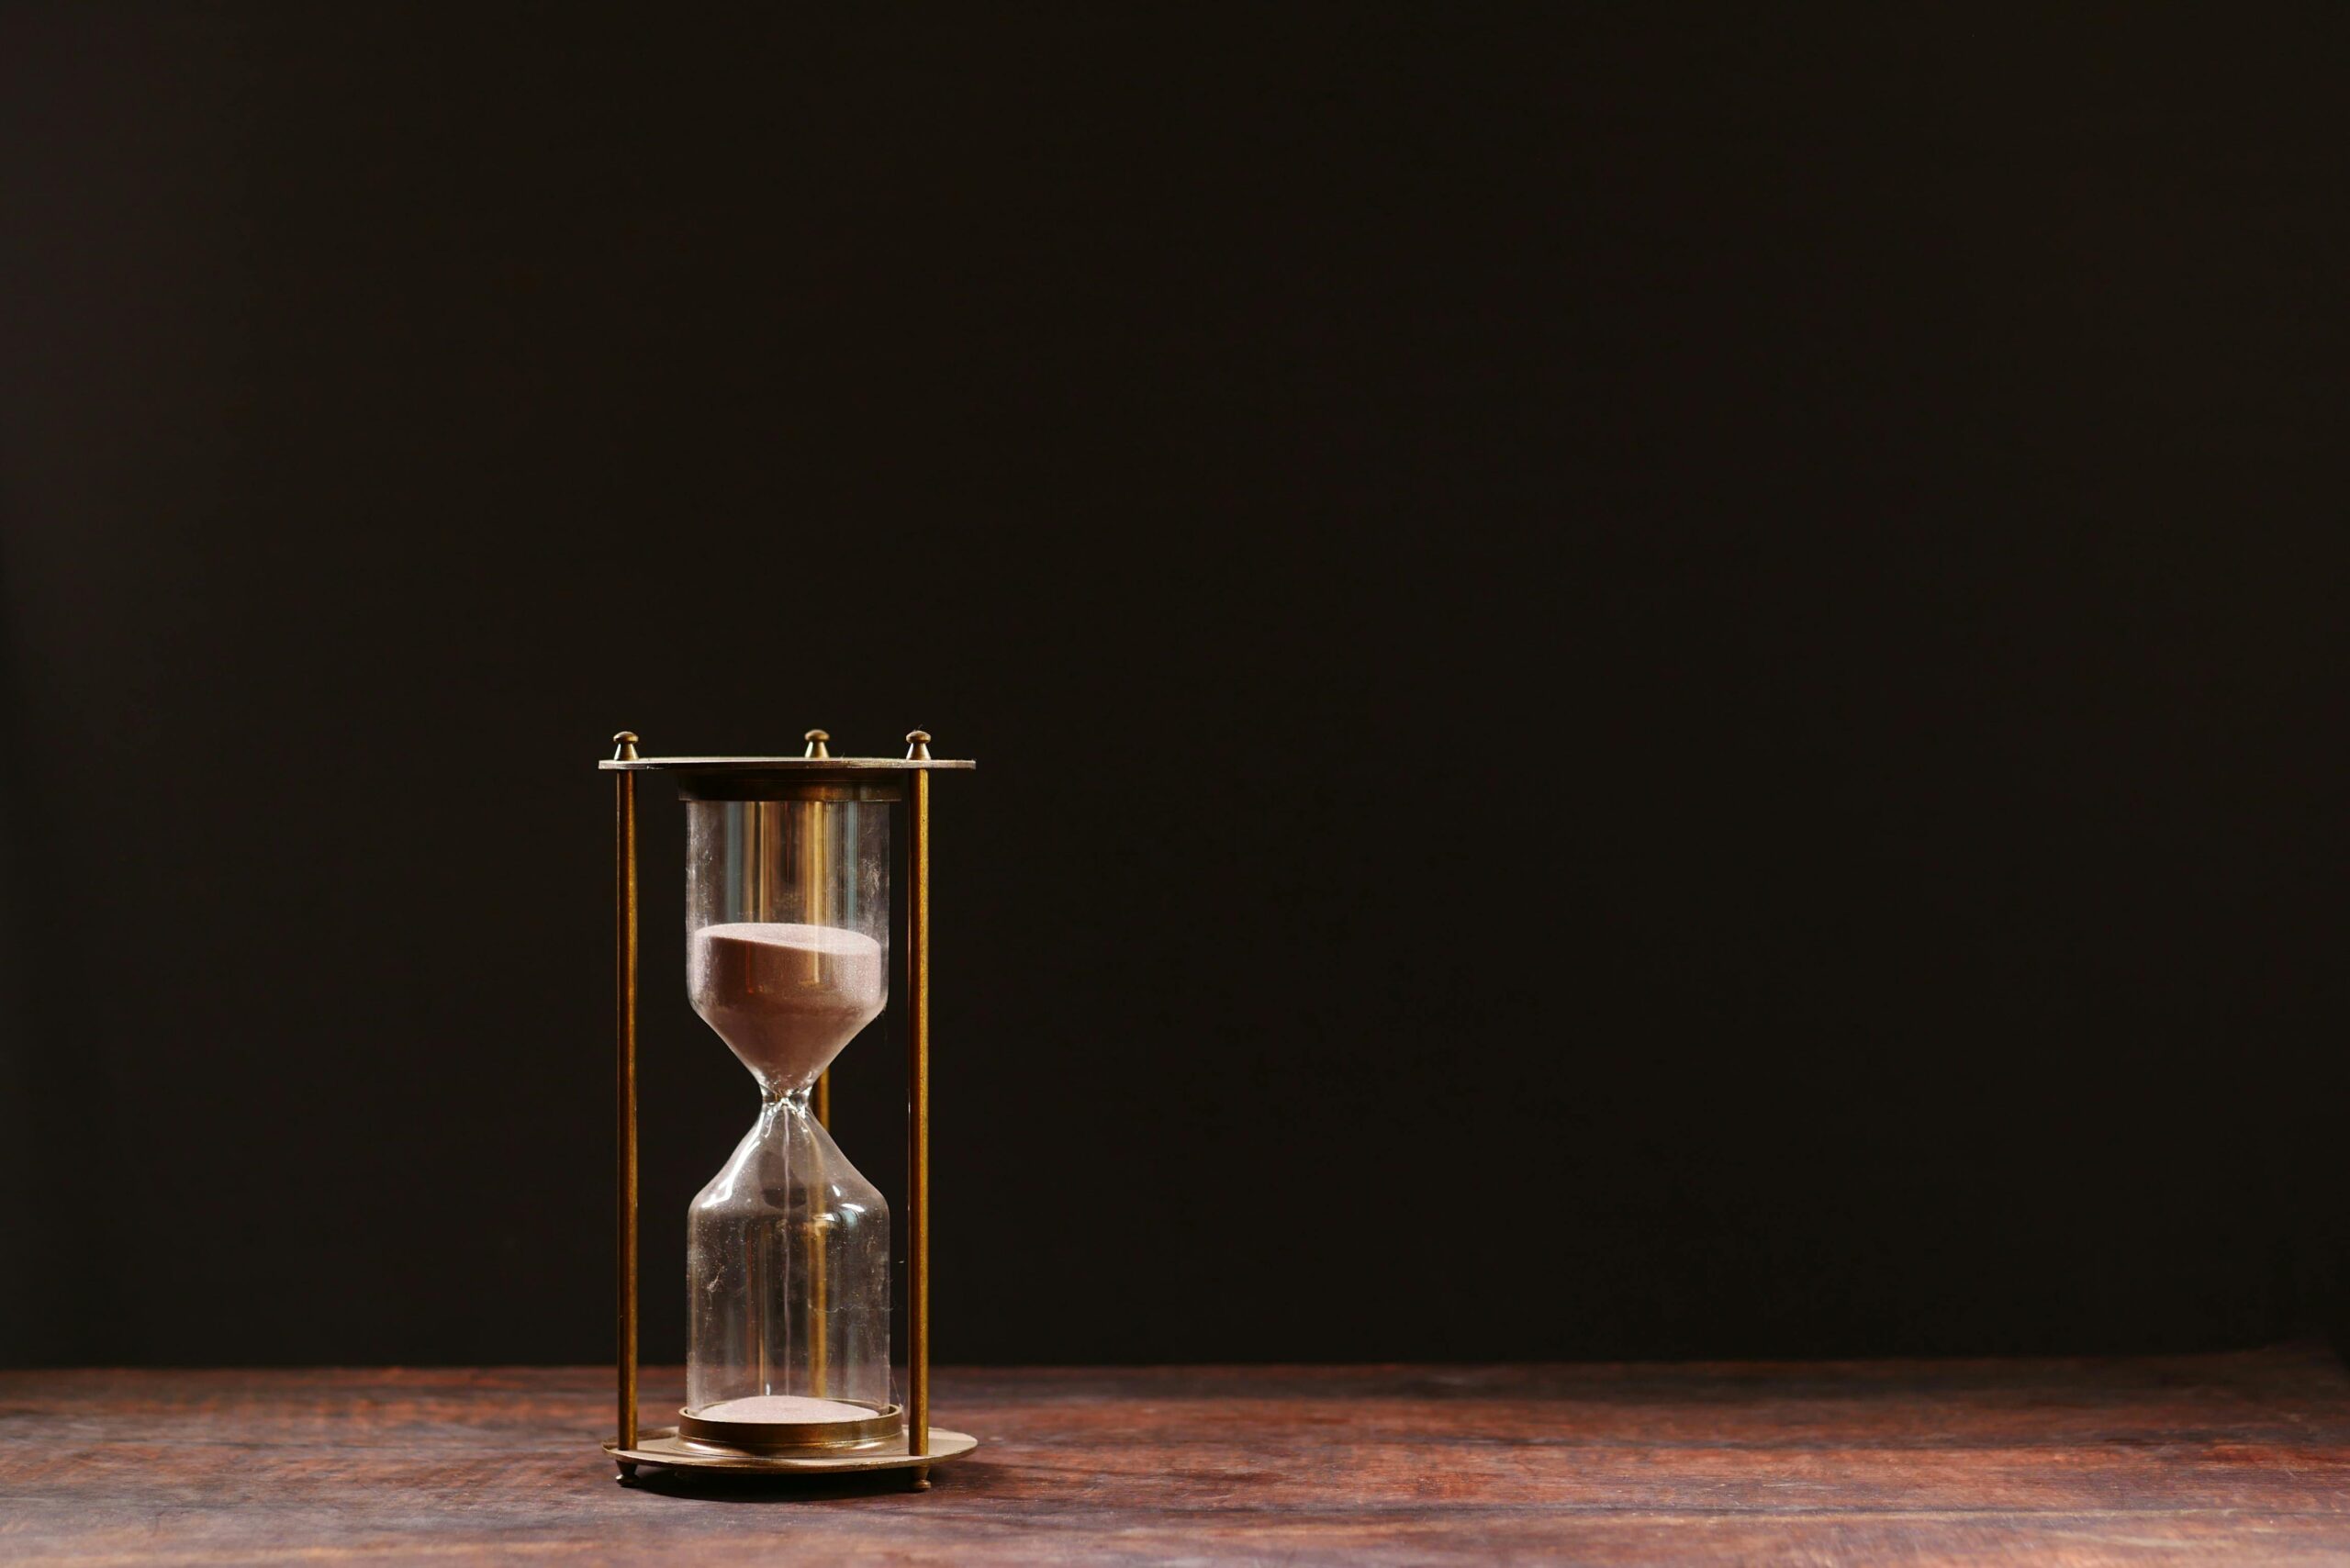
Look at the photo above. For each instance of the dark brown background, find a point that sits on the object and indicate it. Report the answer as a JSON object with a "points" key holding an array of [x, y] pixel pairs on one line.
{"points": [[1646, 686]]}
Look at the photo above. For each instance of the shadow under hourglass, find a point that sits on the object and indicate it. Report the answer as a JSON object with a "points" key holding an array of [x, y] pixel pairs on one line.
{"points": [[721, 1487]]}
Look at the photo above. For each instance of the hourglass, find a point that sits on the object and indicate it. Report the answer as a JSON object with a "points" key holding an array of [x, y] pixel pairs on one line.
{"points": [[789, 945]]}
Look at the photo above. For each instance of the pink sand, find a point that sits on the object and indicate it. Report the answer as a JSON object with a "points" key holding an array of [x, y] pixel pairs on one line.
{"points": [[784, 998], [783, 1407]]}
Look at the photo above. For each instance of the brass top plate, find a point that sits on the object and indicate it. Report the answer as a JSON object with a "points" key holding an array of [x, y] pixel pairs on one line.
{"points": [[814, 765], [785, 778]]}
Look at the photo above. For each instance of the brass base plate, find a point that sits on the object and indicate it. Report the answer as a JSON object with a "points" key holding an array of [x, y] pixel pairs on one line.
{"points": [[665, 1447]]}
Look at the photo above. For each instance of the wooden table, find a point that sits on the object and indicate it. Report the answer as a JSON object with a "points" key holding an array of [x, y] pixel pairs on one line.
{"points": [[2240, 1458]]}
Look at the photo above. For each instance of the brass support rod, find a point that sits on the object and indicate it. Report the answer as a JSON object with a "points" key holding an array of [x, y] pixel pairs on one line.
{"points": [[809, 841], [918, 1122], [624, 1280], [814, 848]]}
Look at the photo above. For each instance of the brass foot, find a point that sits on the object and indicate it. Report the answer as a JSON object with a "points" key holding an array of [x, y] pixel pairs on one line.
{"points": [[627, 1468], [921, 1480]]}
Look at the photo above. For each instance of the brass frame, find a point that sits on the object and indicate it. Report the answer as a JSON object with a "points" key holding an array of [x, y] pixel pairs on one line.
{"points": [[766, 778]]}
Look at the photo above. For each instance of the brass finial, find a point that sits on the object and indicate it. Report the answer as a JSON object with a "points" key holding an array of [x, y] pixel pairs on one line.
{"points": [[917, 745], [816, 739], [625, 745]]}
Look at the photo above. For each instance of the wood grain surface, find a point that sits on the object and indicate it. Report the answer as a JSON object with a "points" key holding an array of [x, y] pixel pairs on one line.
{"points": [[2239, 1458]]}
